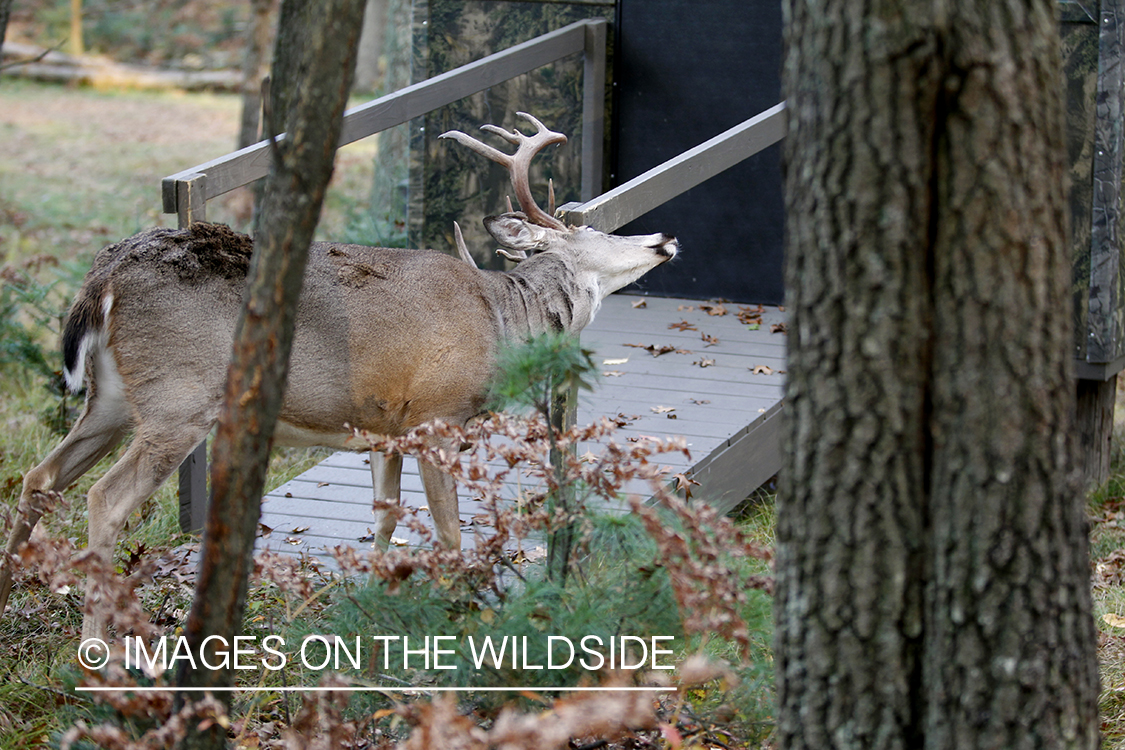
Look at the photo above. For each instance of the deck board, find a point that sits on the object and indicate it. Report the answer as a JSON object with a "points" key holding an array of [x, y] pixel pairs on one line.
{"points": [[727, 413]]}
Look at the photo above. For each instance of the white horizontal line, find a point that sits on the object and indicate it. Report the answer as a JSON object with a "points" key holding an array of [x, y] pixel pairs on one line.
{"points": [[377, 688]]}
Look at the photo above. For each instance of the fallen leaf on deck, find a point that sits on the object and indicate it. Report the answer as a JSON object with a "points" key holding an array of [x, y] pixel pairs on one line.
{"points": [[662, 409], [715, 309], [322, 484], [761, 370], [779, 328], [656, 351], [615, 361], [708, 339], [704, 362], [682, 482], [639, 304], [300, 529], [683, 325], [750, 315], [699, 401], [612, 373]]}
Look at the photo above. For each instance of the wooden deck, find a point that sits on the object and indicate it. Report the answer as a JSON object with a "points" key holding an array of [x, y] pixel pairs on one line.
{"points": [[725, 399]]}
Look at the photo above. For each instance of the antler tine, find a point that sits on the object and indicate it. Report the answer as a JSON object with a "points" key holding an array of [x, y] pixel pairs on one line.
{"points": [[462, 248], [511, 136], [483, 149], [540, 128], [518, 163]]}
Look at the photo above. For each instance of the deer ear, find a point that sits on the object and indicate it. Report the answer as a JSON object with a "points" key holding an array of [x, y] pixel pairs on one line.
{"points": [[515, 232]]}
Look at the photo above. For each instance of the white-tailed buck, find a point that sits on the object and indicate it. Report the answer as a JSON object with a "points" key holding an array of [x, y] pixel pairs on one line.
{"points": [[386, 340]]}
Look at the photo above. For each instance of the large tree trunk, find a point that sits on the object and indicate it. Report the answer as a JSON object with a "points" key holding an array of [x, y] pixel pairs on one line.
{"points": [[932, 562], [318, 42]]}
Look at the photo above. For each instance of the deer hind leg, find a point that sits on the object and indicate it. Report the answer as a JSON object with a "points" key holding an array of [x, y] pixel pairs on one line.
{"points": [[386, 481], [102, 425], [441, 495], [151, 458]]}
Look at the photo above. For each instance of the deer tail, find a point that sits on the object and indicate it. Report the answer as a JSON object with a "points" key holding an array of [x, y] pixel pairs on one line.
{"points": [[86, 329]]}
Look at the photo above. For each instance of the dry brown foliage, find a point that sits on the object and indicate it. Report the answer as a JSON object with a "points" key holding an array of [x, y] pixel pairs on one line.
{"points": [[710, 593], [694, 547]]}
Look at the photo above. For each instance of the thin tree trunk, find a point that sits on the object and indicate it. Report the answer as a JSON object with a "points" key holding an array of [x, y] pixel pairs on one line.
{"points": [[931, 571], [253, 70], [5, 13], [321, 40], [77, 45]]}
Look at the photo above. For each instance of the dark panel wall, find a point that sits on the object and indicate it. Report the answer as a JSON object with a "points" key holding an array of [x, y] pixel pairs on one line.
{"points": [[686, 70]]}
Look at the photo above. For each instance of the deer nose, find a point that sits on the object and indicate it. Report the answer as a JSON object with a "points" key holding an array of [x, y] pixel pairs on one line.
{"points": [[668, 247]]}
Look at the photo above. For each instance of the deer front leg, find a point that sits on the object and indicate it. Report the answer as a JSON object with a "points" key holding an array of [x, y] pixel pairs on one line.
{"points": [[441, 495], [386, 482]]}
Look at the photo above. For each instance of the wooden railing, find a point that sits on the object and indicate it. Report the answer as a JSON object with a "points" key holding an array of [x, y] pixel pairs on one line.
{"points": [[186, 193], [662, 183]]}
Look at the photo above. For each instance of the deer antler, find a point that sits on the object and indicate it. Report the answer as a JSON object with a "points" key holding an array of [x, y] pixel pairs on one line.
{"points": [[518, 163]]}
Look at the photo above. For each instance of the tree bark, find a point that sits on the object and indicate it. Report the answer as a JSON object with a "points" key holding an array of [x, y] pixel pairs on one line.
{"points": [[5, 13], [319, 42], [932, 564]]}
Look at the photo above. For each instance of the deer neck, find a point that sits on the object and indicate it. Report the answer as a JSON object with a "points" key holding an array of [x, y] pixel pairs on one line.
{"points": [[544, 294]]}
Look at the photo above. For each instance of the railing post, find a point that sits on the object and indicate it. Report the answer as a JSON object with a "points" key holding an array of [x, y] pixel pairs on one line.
{"points": [[593, 110], [191, 207]]}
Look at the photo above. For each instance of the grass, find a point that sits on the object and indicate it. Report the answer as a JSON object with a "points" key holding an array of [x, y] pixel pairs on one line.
{"points": [[1107, 554]]}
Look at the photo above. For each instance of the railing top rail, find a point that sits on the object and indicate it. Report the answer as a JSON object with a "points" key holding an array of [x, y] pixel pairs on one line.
{"points": [[660, 184], [242, 167]]}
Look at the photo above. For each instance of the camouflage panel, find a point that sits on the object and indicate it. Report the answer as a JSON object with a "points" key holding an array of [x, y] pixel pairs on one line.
{"points": [[448, 182], [384, 225], [1079, 31]]}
